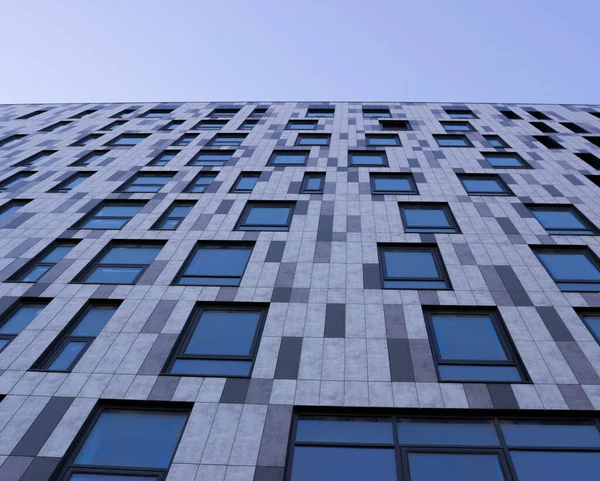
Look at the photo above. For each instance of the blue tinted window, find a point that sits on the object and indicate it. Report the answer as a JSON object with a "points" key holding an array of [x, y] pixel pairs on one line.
{"points": [[111, 216], [523, 433], [313, 140], [483, 373], [128, 140], [302, 125], [460, 114], [131, 255], [560, 220], [246, 182], [35, 273], [271, 217], [132, 439], [73, 181], [10, 208], [212, 158], [427, 218], [377, 113], [556, 466], [227, 139], [39, 267], [219, 266], [392, 184], [114, 275], [382, 140], [207, 367], [594, 325], [89, 158], [201, 182], [504, 160], [122, 264], [288, 158], [345, 430], [452, 141], [185, 139], [496, 141], [147, 183], [93, 321], [20, 319], [439, 433], [459, 467], [67, 355], [320, 112], [14, 180], [483, 186], [410, 264], [457, 126], [570, 266], [367, 158], [210, 124]]}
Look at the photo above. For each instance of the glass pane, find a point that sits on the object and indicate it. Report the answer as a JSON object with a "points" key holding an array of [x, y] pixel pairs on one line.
{"points": [[302, 126], [460, 115], [4, 343], [313, 140], [391, 184], [224, 333], [426, 217], [267, 215], [132, 439], [451, 142], [519, 434], [455, 467], [143, 189], [570, 266], [556, 466], [314, 183], [366, 159], [208, 281], [131, 255], [35, 273], [288, 159], [57, 254], [496, 143], [151, 179], [104, 223], [382, 140], [347, 464], [118, 211], [410, 264], [20, 319], [180, 211], [457, 127], [594, 324], [113, 275], [215, 261], [482, 185], [214, 367], [503, 161], [479, 373], [110, 477], [170, 224], [93, 321], [10, 210], [128, 140], [75, 182], [439, 433], [212, 157], [367, 430], [558, 219], [246, 183], [66, 357], [467, 337]]}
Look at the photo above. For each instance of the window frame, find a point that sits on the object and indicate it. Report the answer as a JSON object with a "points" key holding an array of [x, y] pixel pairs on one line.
{"points": [[155, 162], [156, 113], [80, 224], [249, 124], [166, 215], [181, 141], [234, 187], [500, 140], [112, 142], [438, 137], [548, 142], [224, 112], [82, 114], [210, 124], [172, 125], [122, 113], [583, 315], [394, 137], [506, 190], [376, 113], [6, 315], [200, 175], [85, 140], [12, 203], [398, 175], [33, 159], [366, 153], [241, 225], [320, 112], [575, 249], [591, 228], [460, 114], [85, 159], [113, 125], [61, 187], [462, 123], [312, 124], [306, 179], [452, 228], [304, 136], [288, 153], [53, 127], [195, 160], [399, 125], [523, 162], [22, 175], [145, 173], [36, 261], [215, 140]]}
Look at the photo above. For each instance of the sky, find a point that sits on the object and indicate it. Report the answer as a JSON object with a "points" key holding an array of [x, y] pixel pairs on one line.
{"points": [[529, 51]]}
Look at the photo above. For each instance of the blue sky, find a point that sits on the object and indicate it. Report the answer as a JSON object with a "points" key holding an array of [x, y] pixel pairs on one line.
{"points": [[183, 50]]}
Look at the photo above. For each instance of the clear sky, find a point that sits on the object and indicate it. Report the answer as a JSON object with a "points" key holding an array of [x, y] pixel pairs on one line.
{"points": [[199, 50]]}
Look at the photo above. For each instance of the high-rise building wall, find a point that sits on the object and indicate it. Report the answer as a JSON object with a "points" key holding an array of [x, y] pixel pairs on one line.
{"points": [[299, 291]]}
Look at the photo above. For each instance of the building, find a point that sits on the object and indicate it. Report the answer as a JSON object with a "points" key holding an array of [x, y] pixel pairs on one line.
{"points": [[300, 292]]}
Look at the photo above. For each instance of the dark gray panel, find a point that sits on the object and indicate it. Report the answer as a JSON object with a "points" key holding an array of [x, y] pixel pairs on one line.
{"points": [[401, 366], [335, 320], [40, 469], [275, 252], [159, 317], [502, 396], [259, 391], [13, 468], [273, 446], [164, 388], [395, 324], [235, 391], [268, 473], [158, 354], [554, 323], [288, 361], [575, 397]]}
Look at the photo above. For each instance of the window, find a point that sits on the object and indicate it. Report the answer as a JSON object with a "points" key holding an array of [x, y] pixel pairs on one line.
{"points": [[123, 113], [481, 184], [573, 268], [224, 113], [89, 158], [367, 158], [120, 263], [172, 125], [69, 347], [548, 142], [562, 219], [385, 447], [412, 266], [595, 114], [127, 140], [44, 261], [506, 160], [17, 318], [457, 127], [156, 113], [34, 159], [71, 182], [145, 182], [164, 157], [313, 139], [574, 128], [302, 125], [174, 215], [215, 264], [114, 125], [509, 114], [80, 115], [31, 114], [542, 127], [539, 115], [593, 140], [275, 216], [126, 443], [472, 347], [288, 157], [376, 113], [393, 184], [313, 183], [452, 141], [460, 113], [11, 207], [382, 140], [14, 180], [592, 321], [245, 182], [590, 159], [218, 340], [258, 112], [395, 125], [110, 215], [320, 112], [201, 182], [57, 125], [428, 217], [185, 139], [88, 139], [496, 141], [248, 124], [227, 140], [210, 125]]}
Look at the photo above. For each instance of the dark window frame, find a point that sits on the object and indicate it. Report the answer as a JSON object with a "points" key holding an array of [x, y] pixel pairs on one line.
{"points": [[166, 215], [591, 230], [210, 124], [575, 249], [13, 203], [376, 113], [13, 309], [241, 225], [509, 114], [156, 113], [548, 142], [156, 161], [109, 203], [172, 125], [465, 123], [236, 190], [22, 175], [460, 114], [85, 140], [536, 114], [507, 191], [313, 124], [32, 159], [524, 163], [305, 180], [438, 137], [367, 153], [575, 128], [113, 125], [590, 312], [61, 187], [452, 228], [10, 139], [205, 174], [286, 153], [224, 113], [248, 124], [31, 114], [145, 173], [85, 160], [395, 137], [320, 112], [54, 126], [196, 162], [111, 142], [305, 136], [408, 176], [122, 113], [500, 140], [395, 124], [214, 141], [182, 141], [36, 261], [83, 113]]}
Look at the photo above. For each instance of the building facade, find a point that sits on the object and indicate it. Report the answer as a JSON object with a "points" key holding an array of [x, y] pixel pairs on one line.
{"points": [[299, 291]]}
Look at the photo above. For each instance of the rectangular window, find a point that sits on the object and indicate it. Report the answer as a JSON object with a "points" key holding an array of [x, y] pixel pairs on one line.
{"points": [[123, 113], [57, 125], [496, 141], [457, 126], [573, 268], [376, 113], [483, 184], [114, 125], [542, 127], [69, 347], [302, 125], [185, 139], [11, 207], [88, 139], [245, 182], [215, 264], [538, 115], [548, 142], [172, 125], [412, 266], [145, 182], [15, 180], [366, 158], [574, 128], [593, 140], [590, 159], [44, 261], [472, 347], [201, 182], [126, 443], [210, 125], [505, 160], [218, 340], [9, 140], [382, 140], [248, 124], [428, 217], [452, 141], [30, 115], [267, 216], [110, 215], [592, 322], [320, 112], [395, 125], [71, 182], [17, 318], [36, 158], [395, 184], [288, 157], [87, 159], [80, 115], [120, 263], [164, 158], [127, 140], [313, 183], [156, 113], [460, 113], [224, 113], [258, 112], [174, 215], [509, 114], [313, 139], [227, 140], [562, 219]]}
